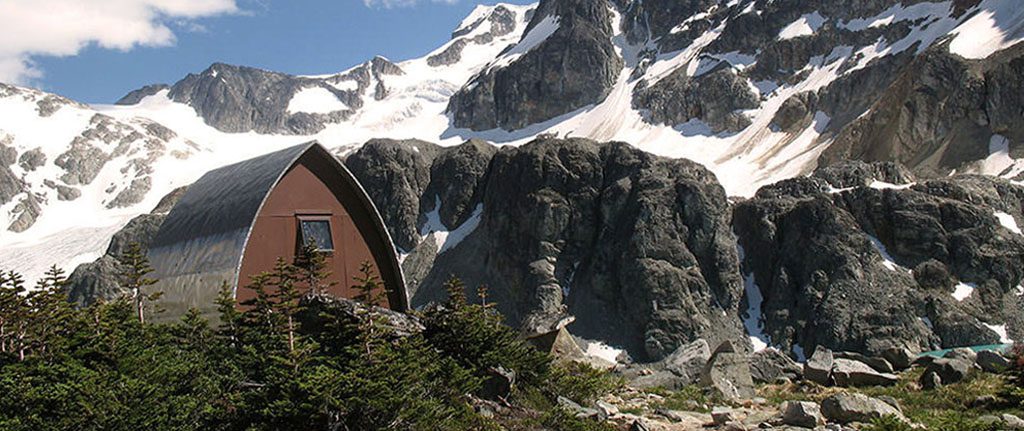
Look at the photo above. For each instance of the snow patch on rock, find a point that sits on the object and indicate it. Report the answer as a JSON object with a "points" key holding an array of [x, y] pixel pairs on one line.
{"points": [[963, 291], [315, 100], [1001, 331], [603, 351], [806, 25], [1008, 222], [998, 24]]}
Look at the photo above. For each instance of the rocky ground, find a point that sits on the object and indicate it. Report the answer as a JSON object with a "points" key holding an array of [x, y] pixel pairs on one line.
{"points": [[833, 391]]}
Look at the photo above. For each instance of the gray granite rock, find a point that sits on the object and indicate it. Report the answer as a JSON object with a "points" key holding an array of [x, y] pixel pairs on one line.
{"points": [[818, 367], [992, 362], [727, 373], [948, 371], [577, 62], [848, 372], [32, 159], [854, 407], [768, 365], [804, 414], [636, 247]]}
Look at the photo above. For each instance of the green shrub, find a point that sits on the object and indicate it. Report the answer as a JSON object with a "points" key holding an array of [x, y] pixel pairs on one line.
{"points": [[475, 337], [580, 382]]}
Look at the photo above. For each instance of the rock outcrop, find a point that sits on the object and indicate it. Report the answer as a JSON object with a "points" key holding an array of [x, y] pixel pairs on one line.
{"points": [[833, 261], [564, 61], [853, 407], [636, 247], [102, 279]]}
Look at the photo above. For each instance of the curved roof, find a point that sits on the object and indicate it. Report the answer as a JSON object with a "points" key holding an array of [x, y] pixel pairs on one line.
{"points": [[202, 241]]}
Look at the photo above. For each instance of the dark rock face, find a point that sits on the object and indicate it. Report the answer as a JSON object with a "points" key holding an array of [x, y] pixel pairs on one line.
{"points": [[856, 173], [500, 21], [714, 97], [241, 99], [832, 266], [102, 278], [395, 174], [937, 111], [573, 67], [136, 96], [636, 247]]}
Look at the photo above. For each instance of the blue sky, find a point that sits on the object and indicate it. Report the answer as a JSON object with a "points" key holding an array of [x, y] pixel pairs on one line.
{"points": [[292, 36]]}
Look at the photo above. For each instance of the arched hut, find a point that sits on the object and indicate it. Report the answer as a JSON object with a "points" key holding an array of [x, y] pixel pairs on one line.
{"points": [[237, 220]]}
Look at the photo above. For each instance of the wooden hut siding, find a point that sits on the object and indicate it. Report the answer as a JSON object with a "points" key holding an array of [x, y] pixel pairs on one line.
{"points": [[302, 193], [236, 220]]}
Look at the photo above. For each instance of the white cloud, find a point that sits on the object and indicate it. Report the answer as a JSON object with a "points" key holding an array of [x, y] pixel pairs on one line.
{"points": [[389, 4], [63, 27]]}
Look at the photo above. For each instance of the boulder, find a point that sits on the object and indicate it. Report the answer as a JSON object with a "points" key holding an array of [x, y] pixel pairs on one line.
{"points": [[682, 368], [657, 379], [768, 365], [804, 414], [688, 360], [992, 362], [728, 373], [930, 380], [947, 370], [878, 364], [848, 372], [818, 367], [962, 353], [1012, 422], [852, 407], [901, 358], [639, 425]]}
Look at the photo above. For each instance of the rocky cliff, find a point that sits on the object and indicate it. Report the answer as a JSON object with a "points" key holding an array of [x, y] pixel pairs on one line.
{"points": [[564, 61], [635, 246], [647, 253]]}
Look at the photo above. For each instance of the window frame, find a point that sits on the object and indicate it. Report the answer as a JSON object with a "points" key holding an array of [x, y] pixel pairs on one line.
{"points": [[301, 218]]}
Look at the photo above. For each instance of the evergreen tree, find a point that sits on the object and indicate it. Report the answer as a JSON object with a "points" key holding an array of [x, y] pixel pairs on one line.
{"points": [[134, 278], [312, 265], [286, 302], [368, 284], [50, 311], [230, 317], [19, 315], [456, 293], [10, 305]]}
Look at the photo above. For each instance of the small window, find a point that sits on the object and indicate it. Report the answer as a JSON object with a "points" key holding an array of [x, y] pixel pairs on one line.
{"points": [[317, 231]]}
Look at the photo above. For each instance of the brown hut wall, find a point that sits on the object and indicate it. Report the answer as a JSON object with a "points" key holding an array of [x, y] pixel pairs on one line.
{"points": [[309, 188]]}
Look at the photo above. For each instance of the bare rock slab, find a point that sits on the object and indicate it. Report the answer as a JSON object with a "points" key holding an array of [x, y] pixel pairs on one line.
{"points": [[851, 407], [804, 414]]}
